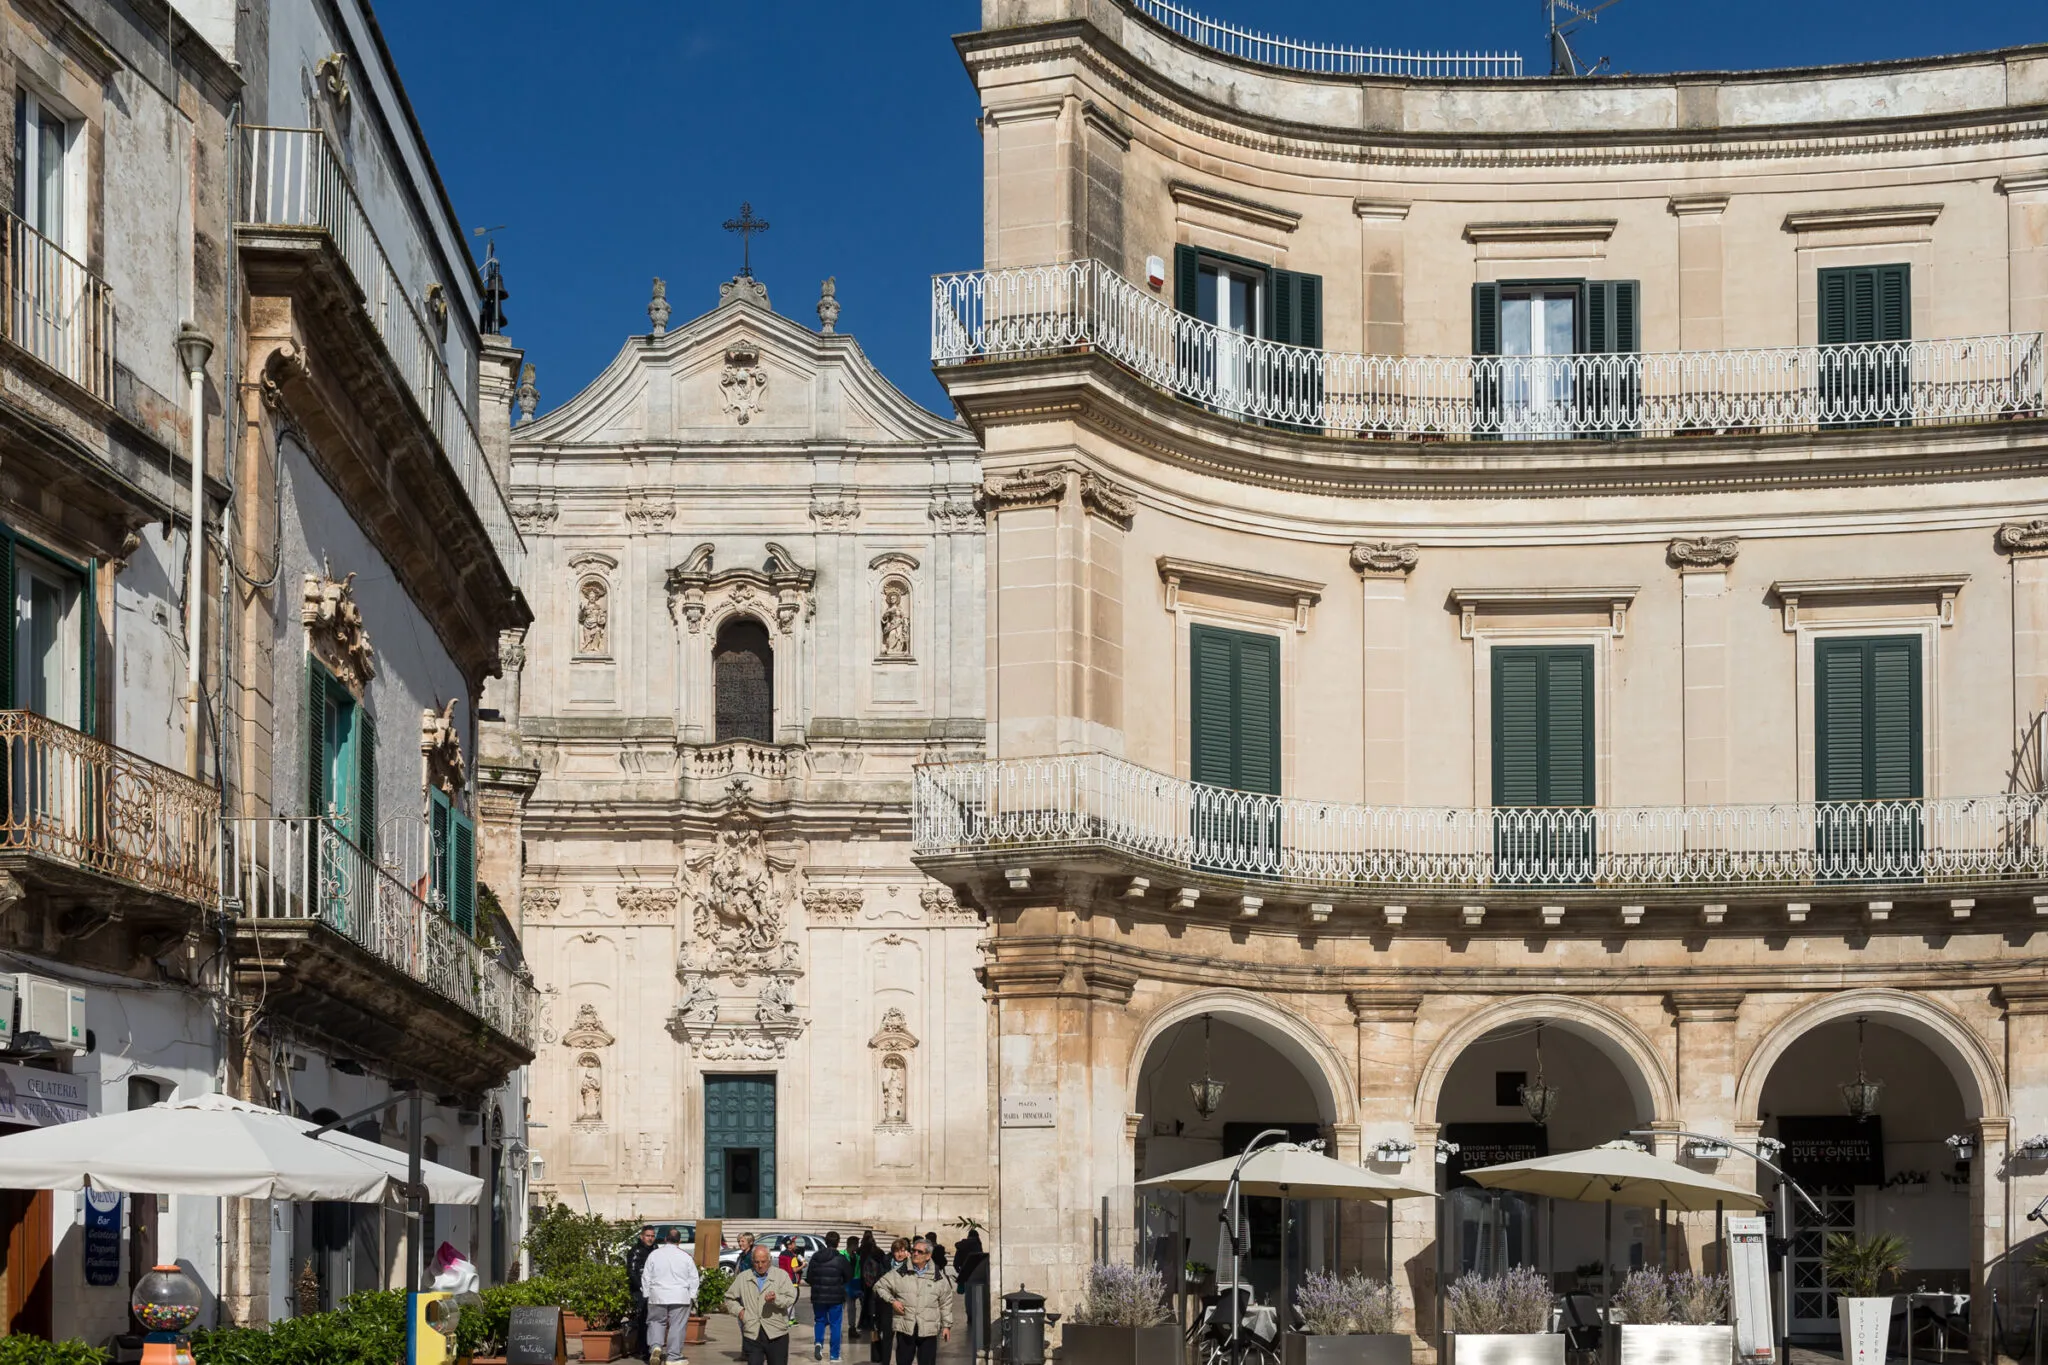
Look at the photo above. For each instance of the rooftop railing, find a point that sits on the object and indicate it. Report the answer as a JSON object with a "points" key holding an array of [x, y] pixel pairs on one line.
{"points": [[1083, 305], [303, 868], [57, 310], [82, 802], [295, 180], [1324, 58], [1018, 808]]}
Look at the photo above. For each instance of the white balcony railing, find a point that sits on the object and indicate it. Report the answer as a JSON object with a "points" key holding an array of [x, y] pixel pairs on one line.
{"points": [[57, 310], [302, 868], [1325, 58], [1092, 802], [295, 180], [1046, 310]]}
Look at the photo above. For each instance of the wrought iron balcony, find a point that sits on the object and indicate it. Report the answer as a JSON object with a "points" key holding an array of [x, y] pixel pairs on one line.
{"points": [[1017, 809], [1324, 58], [303, 869], [57, 310], [294, 180], [80, 809], [1083, 305]]}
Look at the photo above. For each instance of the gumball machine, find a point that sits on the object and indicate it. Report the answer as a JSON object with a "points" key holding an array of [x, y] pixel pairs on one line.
{"points": [[166, 1302]]}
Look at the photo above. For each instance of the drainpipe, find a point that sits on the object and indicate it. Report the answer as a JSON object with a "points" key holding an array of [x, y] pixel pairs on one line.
{"points": [[194, 346]]}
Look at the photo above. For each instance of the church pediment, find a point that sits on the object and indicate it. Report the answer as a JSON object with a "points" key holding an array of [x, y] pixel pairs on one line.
{"points": [[740, 373]]}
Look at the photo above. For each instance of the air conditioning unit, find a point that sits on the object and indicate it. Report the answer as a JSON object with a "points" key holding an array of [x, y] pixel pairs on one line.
{"points": [[51, 1008]]}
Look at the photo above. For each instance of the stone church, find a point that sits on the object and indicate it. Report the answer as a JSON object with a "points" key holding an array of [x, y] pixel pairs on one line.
{"points": [[756, 579]]}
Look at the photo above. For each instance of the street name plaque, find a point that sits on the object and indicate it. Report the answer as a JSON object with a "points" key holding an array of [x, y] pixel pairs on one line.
{"points": [[1028, 1111]]}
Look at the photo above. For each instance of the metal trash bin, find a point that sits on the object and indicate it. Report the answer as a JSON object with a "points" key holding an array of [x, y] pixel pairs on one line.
{"points": [[1022, 1340]]}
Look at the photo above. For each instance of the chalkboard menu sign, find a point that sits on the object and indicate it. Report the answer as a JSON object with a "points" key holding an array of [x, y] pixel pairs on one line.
{"points": [[1829, 1149], [535, 1337], [102, 1237], [1491, 1144]]}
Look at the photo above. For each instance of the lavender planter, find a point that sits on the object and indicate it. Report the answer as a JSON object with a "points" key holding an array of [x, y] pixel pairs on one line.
{"points": [[1081, 1344], [1669, 1344], [1524, 1348], [1390, 1348]]}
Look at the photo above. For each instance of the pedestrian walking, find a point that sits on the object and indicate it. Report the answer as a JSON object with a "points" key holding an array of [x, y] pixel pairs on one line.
{"points": [[938, 1252], [921, 1299], [636, 1261], [970, 1272], [827, 1275], [670, 1279], [874, 1263], [883, 1343], [855, 1286], [763, 1298]]}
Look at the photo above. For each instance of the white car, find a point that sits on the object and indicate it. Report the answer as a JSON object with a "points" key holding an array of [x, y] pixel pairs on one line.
{"points": [[808, 1244]]}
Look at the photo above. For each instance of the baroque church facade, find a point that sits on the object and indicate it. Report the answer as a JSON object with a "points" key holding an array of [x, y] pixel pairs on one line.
{"points": [[756, 573]]}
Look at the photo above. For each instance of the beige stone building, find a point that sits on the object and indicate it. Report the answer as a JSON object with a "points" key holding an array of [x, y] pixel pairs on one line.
{"points": [[1507, 600], [757, 587]]}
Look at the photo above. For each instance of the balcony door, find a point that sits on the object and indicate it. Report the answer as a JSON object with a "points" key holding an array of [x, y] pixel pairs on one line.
{"points": [[1543, 764], [1549, 380], [47, 653], [1234, 749], [45, 241], [1248, 303], [1865, 317], [49, 639], [1868, 753]]}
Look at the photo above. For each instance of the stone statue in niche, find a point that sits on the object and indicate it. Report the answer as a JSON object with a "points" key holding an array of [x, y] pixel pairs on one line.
{"points": [[776, 1004], [700, 1006], [589, 1089], [593, 615], [895, 622], [895, 1086]]}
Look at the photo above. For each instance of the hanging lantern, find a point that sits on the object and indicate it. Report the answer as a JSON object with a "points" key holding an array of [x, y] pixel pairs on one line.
{"points": [[1861, 1095], [1208, 1091], [1538, 1098]]}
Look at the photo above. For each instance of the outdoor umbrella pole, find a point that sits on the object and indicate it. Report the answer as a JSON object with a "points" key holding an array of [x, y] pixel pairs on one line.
{"points": [[413, 1176], [1663, 1238], [1607, 1258], [1390, 1241]]}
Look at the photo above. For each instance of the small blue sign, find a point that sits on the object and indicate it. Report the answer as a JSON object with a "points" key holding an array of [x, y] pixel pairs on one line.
{"points": [[102, 1237]]}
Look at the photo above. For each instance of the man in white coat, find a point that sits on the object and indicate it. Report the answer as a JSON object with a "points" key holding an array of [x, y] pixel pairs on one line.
{"points": [[670, 1284]]}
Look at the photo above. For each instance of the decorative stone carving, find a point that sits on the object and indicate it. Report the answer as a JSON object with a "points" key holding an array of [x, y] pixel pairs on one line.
{"points": [[589, 1089], [1103, 498], [828, 305], [700, 1005], [894, 627], [650, 511], [335, 631], [824, 904], [649, 904], [738, 907], [776, 1004], [743, 289], [441, 747], [895, 1092], [1703, 552], [534, 514], [954, 514], [436, 304], [2024, 537], [893, 1035], [285, 364], [593, 617], [1384, 557], [657, 306], [330, 78], [741, 383], [528, 397], [837, 514], [940, 904], [588, 1031], [539, 903], [693, 584], [1025, 488]]}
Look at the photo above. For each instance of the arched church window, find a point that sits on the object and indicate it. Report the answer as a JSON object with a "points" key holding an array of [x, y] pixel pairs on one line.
{"points": [[743, 670]]}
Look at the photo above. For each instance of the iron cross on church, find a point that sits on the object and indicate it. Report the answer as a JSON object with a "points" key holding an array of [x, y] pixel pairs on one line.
{"points": [[746, 225]]}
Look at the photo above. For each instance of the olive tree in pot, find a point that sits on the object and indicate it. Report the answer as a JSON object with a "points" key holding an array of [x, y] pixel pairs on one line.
{"points": [[1346, 1320], [1856, 1267], [1501, 1320], [1678, 1319], [1122, 1320]]}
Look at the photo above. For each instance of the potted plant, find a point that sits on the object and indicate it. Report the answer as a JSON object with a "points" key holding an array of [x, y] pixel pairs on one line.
{"points": [[1662, 1319], [1501, 1320], [1857, 1266], [1200, 1277], [1122, 1320], [599, 1295], [1346, 1320], [711, 1288]]}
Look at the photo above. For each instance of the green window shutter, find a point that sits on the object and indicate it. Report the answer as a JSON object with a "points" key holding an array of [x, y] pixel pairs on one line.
{"points": [[1309, 315], [1840, 759], [316, 739], [1485, 319], [1258, 714], [1894, 302], [1834, 308], [1612, 317], [1185, 284], [1868, 728], [1234, 705], [440, 830], [7, 619], [1543, 726], [1212, 708], [1294, 308], [1281, 311], [462, 873], [1865, 303], [1895, 718], [366, 781]]}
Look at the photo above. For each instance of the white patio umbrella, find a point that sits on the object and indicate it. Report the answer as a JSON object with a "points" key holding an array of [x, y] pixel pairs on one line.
{"points": [[215, 1145], [1615, 1173]]}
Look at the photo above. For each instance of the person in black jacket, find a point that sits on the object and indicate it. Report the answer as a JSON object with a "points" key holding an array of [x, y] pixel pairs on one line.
{"points": [[938, 1252], [636, 1261], [827, 1275], [970, 1272], [874, 1264]]}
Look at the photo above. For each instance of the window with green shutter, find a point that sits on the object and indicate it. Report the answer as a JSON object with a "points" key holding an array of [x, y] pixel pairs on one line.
{"points": [[341, 758], [1234, 744], [1543, 762], [453, 871], [1862, 307], [1868, 743], [1527, 322]]}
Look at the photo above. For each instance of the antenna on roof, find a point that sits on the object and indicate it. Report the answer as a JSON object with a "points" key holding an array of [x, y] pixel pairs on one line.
{"points": [[1566, 18], [491, 319]]}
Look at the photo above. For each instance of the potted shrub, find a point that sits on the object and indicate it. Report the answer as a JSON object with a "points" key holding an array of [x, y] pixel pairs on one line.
{"points": [[711, 1288], [1346, 1320], [1856, 1267], [598, 1294], [1665, 1319], [1501, 1320], [1122, 1320]]}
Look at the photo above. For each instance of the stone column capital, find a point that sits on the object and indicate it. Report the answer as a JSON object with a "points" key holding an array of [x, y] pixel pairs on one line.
{"points": [[2024, 997], [1383, 1007], [1705, 1004]]}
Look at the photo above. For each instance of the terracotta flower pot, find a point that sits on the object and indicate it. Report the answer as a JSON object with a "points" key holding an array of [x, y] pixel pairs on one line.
{"points": [[572, 1324], [693, 1330], [601, 1346]]}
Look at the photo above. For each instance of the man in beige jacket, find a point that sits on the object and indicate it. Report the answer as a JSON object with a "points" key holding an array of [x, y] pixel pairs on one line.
{"points": [[922, 1298], [764, 1299]]}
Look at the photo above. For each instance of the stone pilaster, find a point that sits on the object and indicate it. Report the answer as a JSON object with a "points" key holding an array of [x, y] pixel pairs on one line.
{"points": [[1703, 565], [1699, 270], [1383, 569]]}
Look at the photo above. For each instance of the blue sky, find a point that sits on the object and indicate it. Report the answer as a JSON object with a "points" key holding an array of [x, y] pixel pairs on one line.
{"points": [[614, 144]]}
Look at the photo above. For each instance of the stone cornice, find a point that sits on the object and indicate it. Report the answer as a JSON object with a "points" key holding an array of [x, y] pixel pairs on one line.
{"points": [[1938, 590], [1874, 216], [1561, 230], [1705, 1004], [1190, 195], [1227, 580]]}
